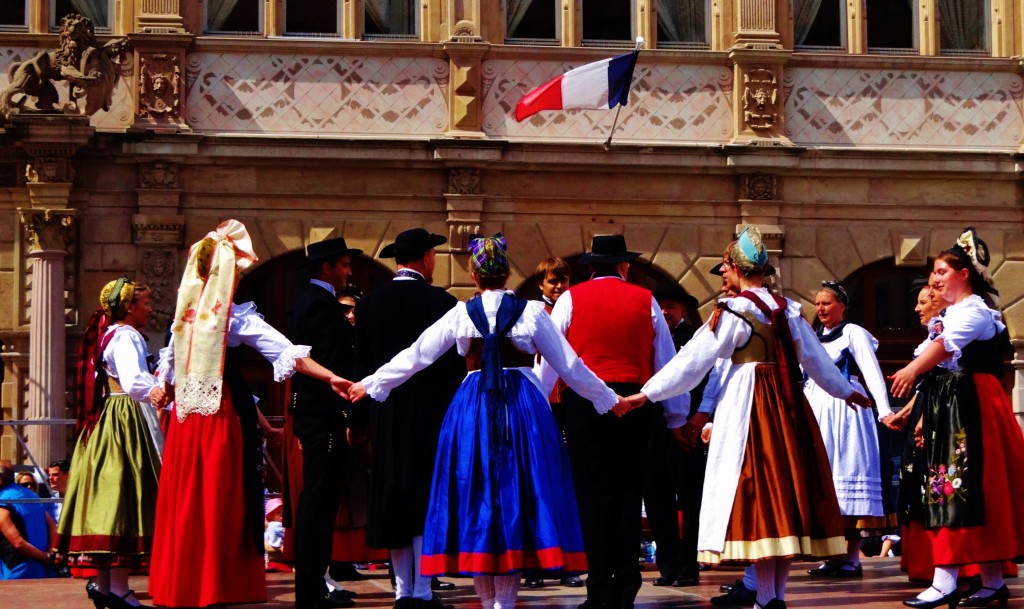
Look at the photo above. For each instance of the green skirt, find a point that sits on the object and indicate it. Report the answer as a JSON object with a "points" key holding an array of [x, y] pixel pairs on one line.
{"points": [[110, 507]]}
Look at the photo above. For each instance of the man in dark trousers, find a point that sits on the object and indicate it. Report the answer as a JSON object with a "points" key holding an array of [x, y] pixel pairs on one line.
{"points": [[674, 478], [317, 319], [405, 428], [619, 332]]}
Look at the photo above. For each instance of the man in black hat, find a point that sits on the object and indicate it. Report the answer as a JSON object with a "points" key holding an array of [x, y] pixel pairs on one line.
{"points": [[317, 319], [674, 478], [616, 328], [405, 428]]}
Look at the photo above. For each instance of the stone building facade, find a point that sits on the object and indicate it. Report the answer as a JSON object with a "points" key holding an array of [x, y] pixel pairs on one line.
{"points": [[860, 142]]}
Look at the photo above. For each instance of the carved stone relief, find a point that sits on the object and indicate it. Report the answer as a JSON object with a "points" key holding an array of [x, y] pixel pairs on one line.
{"points": [[48, 169], [48, 229], [760, 91], [463, 181], [157, 269], [759, 187], [158, 175], [160, 87]]}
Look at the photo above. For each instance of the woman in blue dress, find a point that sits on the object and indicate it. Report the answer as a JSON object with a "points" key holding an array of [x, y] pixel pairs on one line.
{"points": [[502, 496]]}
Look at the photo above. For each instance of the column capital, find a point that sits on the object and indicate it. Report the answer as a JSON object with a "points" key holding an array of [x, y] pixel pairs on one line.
{"points": [[47, 230]]}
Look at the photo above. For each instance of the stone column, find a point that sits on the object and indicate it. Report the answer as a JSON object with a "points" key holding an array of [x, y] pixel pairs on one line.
{"points": [[49, 231], [465, 112], [50, 141], [760, 207], [159, 17]]}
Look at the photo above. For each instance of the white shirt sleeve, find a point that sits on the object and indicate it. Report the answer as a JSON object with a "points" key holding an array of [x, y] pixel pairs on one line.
{"points": [[716, 380], [676, 408], [965, 322], [247, 327], [862, 348], [125, 359], [564, 363], [686, 370], [816, 361], [561, 316], [431, 344]]}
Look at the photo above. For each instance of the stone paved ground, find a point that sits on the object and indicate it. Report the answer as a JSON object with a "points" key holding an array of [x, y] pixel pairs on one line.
{"points": [[882, 586]]}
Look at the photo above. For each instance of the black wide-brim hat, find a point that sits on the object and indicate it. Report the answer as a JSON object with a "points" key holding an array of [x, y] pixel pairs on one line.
{"points": [[411, 244], [327, 249], [676, 292], [608, 249]]}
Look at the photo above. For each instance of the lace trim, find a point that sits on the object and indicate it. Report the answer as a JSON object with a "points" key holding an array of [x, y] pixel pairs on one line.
{"points": [[199, 395], [284, 365]]}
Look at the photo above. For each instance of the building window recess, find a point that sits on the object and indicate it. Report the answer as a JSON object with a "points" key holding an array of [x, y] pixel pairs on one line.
{"points": [[312, 18], [892, 27], [608, 24], [234, 17], [14, 16], [964, 27], [819, 25], [531, 22], [391, 20], [683, 24], [97, 11]]}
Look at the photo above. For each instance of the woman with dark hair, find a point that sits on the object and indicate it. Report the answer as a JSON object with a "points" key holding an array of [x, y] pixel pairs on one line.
{"points": [[850, 435], [969, 473], [502, 497], [107, 522], [773, 499]]}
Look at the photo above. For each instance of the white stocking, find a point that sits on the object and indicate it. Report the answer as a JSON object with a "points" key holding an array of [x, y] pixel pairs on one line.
{"points": [[781, 577], [403, 565], [943, 583], [853, 551], [506, 590], [764, 571], [484, 585], [421, 585], [991, 578]]}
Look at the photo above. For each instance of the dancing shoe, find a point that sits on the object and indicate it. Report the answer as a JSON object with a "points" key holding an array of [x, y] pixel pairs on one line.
{"points": [[827, 569], [573, 581], [93, 592], [114, 601], [437, 584], [728, 587], [534, 582], [775, 603], [738, 595], [999, 595], [952, 600]]}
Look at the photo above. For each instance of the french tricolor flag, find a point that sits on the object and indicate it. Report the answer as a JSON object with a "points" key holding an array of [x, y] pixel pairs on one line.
{"points": [[601, 85]]}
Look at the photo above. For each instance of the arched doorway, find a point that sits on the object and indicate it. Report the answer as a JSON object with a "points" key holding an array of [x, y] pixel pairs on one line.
{"points": [[273, 286]]}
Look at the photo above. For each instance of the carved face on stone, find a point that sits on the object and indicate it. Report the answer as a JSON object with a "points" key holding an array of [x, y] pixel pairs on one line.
{"points": [[160, 85], [761, 96]]}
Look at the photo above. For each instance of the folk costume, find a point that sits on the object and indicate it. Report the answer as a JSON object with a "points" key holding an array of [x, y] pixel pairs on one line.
{"points": [[404, 428], [618, 329], [318, 414], [110, 506], [208, 548], [501, 499], [851, 436]]}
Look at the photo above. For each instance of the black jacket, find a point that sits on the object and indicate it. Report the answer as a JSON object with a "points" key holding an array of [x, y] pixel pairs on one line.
{"points": [[317, 319]]}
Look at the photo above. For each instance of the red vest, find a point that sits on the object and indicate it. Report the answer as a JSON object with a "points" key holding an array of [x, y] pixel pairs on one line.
{"points": [[612, 331]]}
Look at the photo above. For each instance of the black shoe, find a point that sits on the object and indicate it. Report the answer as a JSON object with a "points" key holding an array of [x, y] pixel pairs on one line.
{"points": [[534, 582], [114, 601], [773, 604], [573, 581], [662, 581], [437, 584], [728, 587], [93, 592], [1001, 596], [952, 599], [434, 603], [738, 595], [345, 572], [342, 592], [682, 582], [704, 567]]}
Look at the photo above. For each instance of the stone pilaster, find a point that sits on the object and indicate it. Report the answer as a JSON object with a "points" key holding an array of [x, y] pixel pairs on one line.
{"points": [[465, 204], [758, 104], [158, 230], [760, 207], [159, 17], [159, 86], [465, 115], [757, 26]]}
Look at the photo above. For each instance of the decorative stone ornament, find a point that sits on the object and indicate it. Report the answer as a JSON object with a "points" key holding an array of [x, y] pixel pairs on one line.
{"points": [[160, 87], [760, 187], [760, 91], [158, 175], [463, 181]]}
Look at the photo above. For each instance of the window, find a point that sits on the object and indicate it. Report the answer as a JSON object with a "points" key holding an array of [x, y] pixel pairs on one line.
{"points": [[892, 26], [391, 20], [238, 17], [819, 25], [97, 11], [964, 27], [531, 22], [608, 23], [683, 24], [312, 18], [14, 16]]}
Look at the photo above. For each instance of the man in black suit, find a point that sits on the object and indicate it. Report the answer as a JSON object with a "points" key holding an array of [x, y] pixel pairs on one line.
{"points": [[674, 479], [317, 319], [405, 428]]}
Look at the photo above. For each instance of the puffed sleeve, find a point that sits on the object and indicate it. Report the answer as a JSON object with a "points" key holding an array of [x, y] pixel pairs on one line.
{"points": [[434, 342], [966, 322], [815, 360], [862, 347], [247, 327], [561, 358], [686, 370], [127, 354]]}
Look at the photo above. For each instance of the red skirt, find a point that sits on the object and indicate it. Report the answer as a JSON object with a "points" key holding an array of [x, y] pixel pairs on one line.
{"points": [[1002, 536], [202, 551], [916, 558]]}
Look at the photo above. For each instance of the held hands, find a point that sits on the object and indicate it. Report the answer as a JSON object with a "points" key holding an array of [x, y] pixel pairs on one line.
{"points": [[894, 422], [687, 435], [341, 386], [902, 382], [158, 397], [624, 405], [705, 434], [858, 399], [356, 392]]}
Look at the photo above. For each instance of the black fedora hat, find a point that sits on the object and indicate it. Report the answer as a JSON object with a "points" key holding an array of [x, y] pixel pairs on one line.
{"points": [[327, 249], [412, 244], [609, 249], [676, 292]]}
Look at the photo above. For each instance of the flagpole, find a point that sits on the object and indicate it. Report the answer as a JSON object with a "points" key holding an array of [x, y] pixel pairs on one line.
{"points": [[608, 142]]}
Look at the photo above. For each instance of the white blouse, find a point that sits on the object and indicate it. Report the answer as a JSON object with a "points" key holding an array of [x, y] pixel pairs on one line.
{"points": [[125, 360], [964, 322], [247, 327], [533, 332], [862, 346]]}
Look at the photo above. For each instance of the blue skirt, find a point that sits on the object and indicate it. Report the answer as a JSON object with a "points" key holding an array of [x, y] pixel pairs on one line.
{"points": [[502, 498]]}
